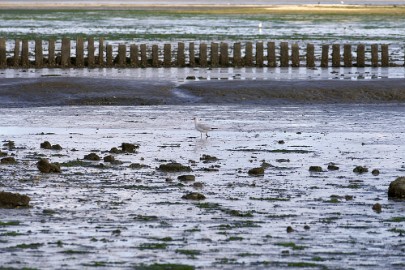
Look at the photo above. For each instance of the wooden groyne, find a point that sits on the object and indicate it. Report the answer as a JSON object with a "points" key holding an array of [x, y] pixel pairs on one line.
{"points": [[80, 53]]}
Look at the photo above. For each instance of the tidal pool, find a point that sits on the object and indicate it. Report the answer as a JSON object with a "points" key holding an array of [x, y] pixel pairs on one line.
{"points": [[125, 217]]}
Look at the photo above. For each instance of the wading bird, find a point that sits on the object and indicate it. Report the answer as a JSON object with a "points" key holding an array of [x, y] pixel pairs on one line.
{"points": [[202, 128]]}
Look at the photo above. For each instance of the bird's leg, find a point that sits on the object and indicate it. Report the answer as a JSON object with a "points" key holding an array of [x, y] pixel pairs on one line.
{"points": [[206, 135]]}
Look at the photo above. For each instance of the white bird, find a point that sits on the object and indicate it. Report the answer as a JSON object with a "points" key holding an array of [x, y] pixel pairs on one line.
{"points": [[202, 128]]}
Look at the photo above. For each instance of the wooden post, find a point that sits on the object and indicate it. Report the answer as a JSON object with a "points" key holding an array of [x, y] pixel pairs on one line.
{"points": [[109, 55], [39, 55], [224, 57], [284, 54], [385, 62], [144, 58], [248, 54], [335, 55], [214, 55], [90, 52], [347, 55], [203, 55], [191, 54], [101, 52], [16, 59], [3, 55], [79, 52], [325, 56], [167, 55], [310, 56], [155, 55], [295, 55], [133, 51], [360, 55], [181, 59], [122, 55], [259, 54], [65, 58], [271, 54], [237, 56], [374, 55], [51, 52], [25, 62]]}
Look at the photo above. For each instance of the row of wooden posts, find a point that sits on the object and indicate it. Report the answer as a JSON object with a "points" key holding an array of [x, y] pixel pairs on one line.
{"points": [[217, 56]]}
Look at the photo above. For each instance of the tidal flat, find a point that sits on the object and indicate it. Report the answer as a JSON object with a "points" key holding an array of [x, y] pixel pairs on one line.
{"points": [[129, 213]]}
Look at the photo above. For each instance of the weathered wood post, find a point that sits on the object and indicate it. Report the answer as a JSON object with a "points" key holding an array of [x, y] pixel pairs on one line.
{"points": [[155, 55], [39, 55], [65, 57], [16, 59], [214, 55], [310, 56], [374, 55], [51, 52], [284, 54], [3, 53], [360, 55], [167, 55], [25, 62], [122, 55], [248, 61], [133, 54], [181, 59], [259, 54], [295, 55], [203, 55], [237, 56], [109, 55], [101, 52], [144, 57], [191, 54], [271, 54], [325, 55], [347, 55], [90, 52], [385, 62], [335, 55], [79, 52], [224, 57]]}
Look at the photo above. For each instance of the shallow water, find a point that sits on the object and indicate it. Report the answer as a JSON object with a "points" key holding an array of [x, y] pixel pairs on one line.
{"points": [[107, 216]]}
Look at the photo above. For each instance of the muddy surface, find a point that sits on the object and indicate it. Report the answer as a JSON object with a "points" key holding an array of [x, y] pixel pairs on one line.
{"points": [[125, 215]]}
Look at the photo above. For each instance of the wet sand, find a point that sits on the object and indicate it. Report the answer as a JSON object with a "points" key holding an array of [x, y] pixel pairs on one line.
{"points": [[61, 91]]}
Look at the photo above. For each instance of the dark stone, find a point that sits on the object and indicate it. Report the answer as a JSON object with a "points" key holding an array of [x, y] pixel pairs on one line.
{"points": [[3, 154], [46, 145], [198, 185], [397, 188], [190, 78], [12, 200], [174, 167], [92, 156], [375, 172], [44, 166], [56, 147], [186, 178], [332, 167], [109, 158], [306, 227], [360, 169], [208, 158], [115, 150], [256, 171], [290, 229], [315, 169], [281, 142], [194, 196], [377, 207], [129, 147], [8, 160]]}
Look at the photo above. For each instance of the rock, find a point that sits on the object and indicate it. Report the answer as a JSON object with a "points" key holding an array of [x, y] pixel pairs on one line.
{"points": [[129, 147], [12, 200], [360, 169], [397, 188], [332, 167], [109, 158], [137, 166], [306, 227], [190, 78], [10, 145], [115, 150], [44, 166], [377, 208], [194, 196], [256, 171], [198, 185], [375, 172], [208, 158], [281, 142], [46, 145], [186, 178], [315, 169], [56, 147], [290, 229], [8, 160], [174, 167], [3, 154], [92, 156]]}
